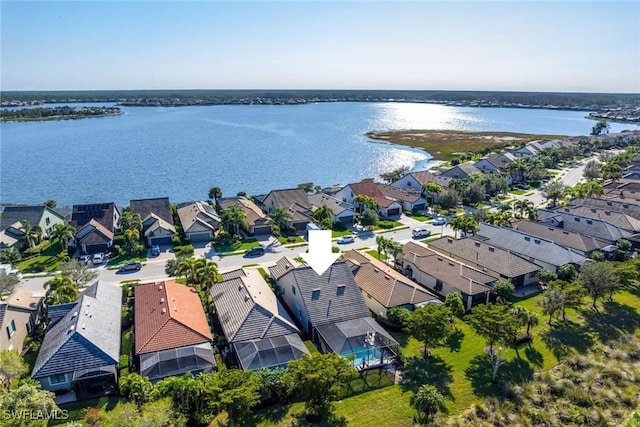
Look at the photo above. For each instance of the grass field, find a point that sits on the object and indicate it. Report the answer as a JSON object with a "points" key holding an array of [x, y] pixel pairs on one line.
{"points": [[47, 260], [237, 246], [444, 144]]}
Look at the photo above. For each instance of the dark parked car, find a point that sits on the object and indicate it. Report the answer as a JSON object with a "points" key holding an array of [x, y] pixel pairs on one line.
{"points": [[255, 251], [132, 265]]}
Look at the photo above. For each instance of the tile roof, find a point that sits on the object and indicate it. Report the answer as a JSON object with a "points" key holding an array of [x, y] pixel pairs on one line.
{"points": [[154, 222], [452, 272], [251, 210], [337, 206], [528, 246], [25, 300], [618, 219], [286, 198], [371, 189], [397, 193], [566, 238], [579, 224], [198, 216], [101, 212], [332, 297], [424, 177], [88, 336], [630, 185], [488, 256], [461, 171], [168, 315], [13, 214], [3, 310], [282, 267], [99, 234], [159, 206], [248, 309], [383, 283]]}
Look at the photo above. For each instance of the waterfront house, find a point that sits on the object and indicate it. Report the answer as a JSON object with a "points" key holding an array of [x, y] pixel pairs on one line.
{"points": [[409, 199], [496, 163], [256, 325], [11, 237], [20, 315], [462, 171], [92, 238], [340, 211], [199, 221], [293, 200], [80, 352], [172, 336], [580, 243], [44, 217], [259, 223], [489, 259], [387, 207], [415, 180], [545, 253], [383, 287], [444, 275], [95, 226], [330, 309], [157, 220]]}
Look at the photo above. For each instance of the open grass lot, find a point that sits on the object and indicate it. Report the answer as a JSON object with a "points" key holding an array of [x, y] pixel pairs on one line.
{"points": [[47, 260], [443, 144], [460, 369]]}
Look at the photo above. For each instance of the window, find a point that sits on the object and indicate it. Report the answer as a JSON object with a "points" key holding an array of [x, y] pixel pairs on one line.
{"points": [[532, 274], [293, 289], [47, 221], [57, 379], [11, 329]]}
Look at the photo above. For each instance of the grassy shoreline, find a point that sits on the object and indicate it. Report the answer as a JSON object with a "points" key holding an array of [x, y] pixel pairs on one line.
{"points": [[57, 117], [445, 144]]}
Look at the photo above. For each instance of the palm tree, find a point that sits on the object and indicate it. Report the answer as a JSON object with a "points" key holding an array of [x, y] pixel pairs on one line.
{"points": [[215, 193], [233, 218], [554, 190], [382, 245], [464, 223], [189, 267], [60, 290], [427, 401], [520, 207], [365, 202], [527, 317], [280, 216], [323, 216], [517, 169], [208, 274], [64, 233], [31, 234], [430, 190], [130, 221], [395, 248], [131, 238]]}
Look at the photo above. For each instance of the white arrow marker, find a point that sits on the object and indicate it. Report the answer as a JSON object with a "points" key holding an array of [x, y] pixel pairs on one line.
{"points": [[319, 256]]}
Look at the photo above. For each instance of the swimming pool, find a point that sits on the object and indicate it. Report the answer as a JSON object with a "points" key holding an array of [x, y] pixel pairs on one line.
{"points": [[364, 356]]}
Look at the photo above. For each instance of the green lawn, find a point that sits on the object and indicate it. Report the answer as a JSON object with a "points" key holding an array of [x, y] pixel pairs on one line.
{"points": [[374, 253], [77, 410], [336, 233], [237, 246], [47, 260], [385, 224], [422, 218], [285, 240], [517, 191]]}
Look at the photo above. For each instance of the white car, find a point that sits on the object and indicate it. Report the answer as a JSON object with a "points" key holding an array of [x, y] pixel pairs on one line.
{"points": [[343, 240], [98, 258], [420, 232], [439, 221]]}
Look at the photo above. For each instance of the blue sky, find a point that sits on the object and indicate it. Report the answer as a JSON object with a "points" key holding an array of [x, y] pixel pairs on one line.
{"points": [[536, 46]]}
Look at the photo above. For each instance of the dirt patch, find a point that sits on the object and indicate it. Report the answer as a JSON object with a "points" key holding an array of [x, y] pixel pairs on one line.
{"points": [[445, 144]]}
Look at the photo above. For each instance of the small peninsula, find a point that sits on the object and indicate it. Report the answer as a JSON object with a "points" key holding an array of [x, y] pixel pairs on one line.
{"points": [[444, 144], [56, 113]]}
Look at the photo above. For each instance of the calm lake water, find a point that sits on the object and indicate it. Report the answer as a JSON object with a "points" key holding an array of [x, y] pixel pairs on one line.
{"points": [[182, 152]]}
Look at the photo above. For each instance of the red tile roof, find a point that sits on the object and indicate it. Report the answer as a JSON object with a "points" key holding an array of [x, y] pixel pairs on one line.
{"points": [[168, 315], [371, 189]]}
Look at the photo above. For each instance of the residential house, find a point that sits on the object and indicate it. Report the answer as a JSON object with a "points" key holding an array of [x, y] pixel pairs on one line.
{"points": [[462, 171], [444, 275], [172, 336], [42, 216], [494, 261], [331, 310], [259, 223], [95, 226], [545, 253], [199, 221], [415, 180], [80, 352], [526, 150], [411, 200], [496, 163], [387, 206], [11, 237], [580, 243], [157, 220], [340, 211], [293, 200], [256, 325], [383, 287], [20, 315], [600, 229], [622, 220], [628, 208]]}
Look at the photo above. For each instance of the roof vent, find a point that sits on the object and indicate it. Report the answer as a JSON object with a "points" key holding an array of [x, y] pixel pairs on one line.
{"points": [[477, 244], [376, 270], [84, 325], [164, 310], [75, 314], [492, 249], [387, 277], [246, 298], [161, 300], [160, 287], [71, 328], [449, 240]]}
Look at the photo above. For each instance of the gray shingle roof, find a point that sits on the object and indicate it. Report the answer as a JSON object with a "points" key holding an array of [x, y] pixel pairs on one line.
{"points": [[629, 208], [473, 251], [529, 246], [623, 221], [282, 267], [249, 310], [88, 336], [583, 225], [3, 310], [198, 216], [397, 193], [101, 212], [13, 214], [566, 238], [159, 206], [285, 198], [337, 206], [332, 297]]}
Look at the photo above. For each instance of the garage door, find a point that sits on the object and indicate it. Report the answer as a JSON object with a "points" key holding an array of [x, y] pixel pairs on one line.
{"points": [[347, 220], [160, 240], [393, 212], [419, 207], [262, 230], [199, 237]]}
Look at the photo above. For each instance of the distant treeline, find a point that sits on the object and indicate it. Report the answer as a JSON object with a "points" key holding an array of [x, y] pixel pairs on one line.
{"points": [[191, 97], [66, 112]]}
